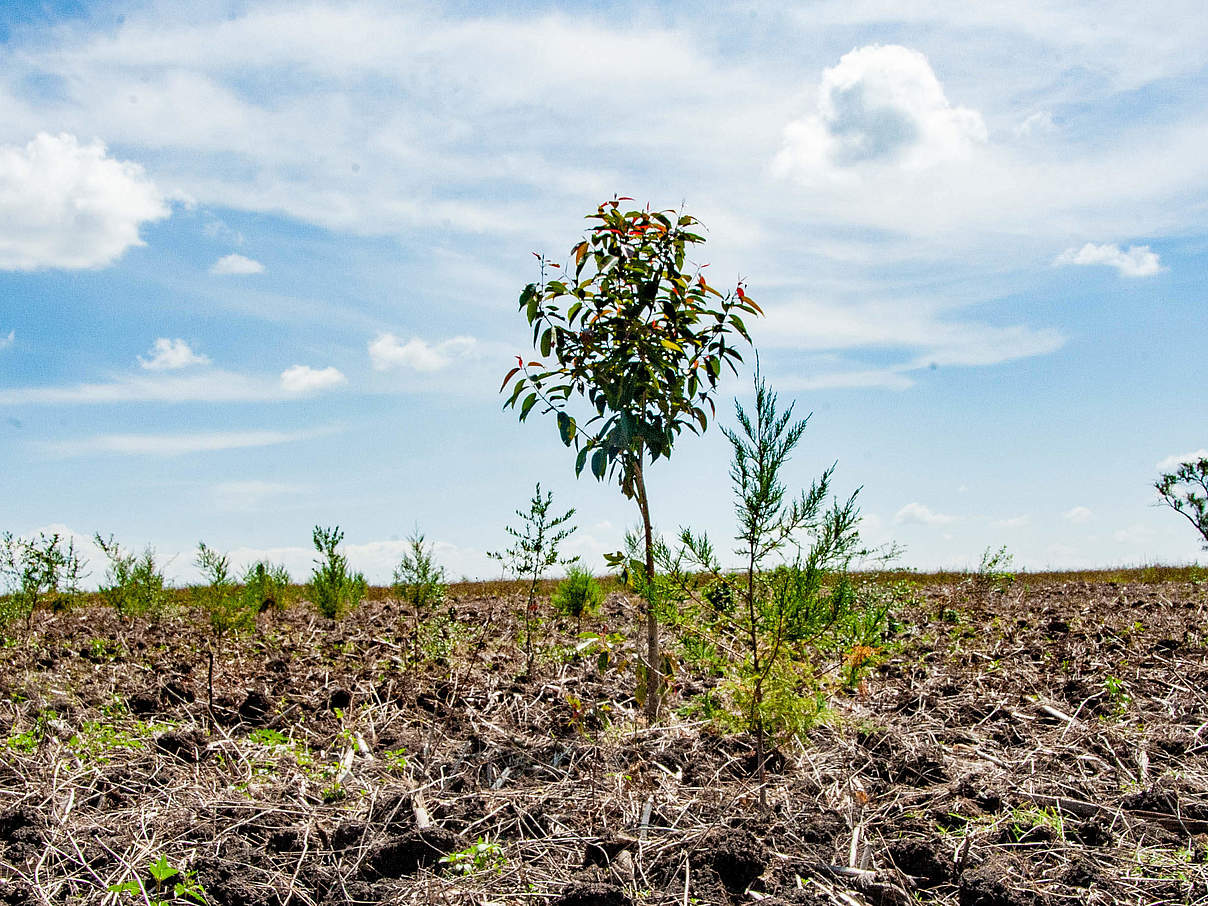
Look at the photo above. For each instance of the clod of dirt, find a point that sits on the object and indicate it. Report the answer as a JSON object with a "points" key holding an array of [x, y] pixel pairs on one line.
{"points": [[285, 840], [592, 893], [984, 886], [16, 893], [256, 706], [1091, 832], [188, 745], [736, 856], [348, 834], [224, 882], [408, 853], [1079, 873], [924, 860], [339, 697], [177, 691], [142, 703], [603, 852]]}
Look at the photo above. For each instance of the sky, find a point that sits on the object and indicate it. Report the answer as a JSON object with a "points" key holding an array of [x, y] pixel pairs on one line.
{"points": [[260, 262]]}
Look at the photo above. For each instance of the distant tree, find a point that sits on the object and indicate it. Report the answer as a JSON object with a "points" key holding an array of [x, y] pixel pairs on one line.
{"points": [[634, 327], [1185, 490]]}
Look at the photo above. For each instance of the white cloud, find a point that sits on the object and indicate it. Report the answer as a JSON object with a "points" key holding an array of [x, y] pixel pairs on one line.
{"points": [[1039, 123], [919, 514], [386, 351], [209, 386], [1138, 261], [1077, 515], [67, 205], [8, 341], [1134, 534], [304, 379], [176, 444], [236, 264], [1170, 463], [881, 104], [169, 355]]}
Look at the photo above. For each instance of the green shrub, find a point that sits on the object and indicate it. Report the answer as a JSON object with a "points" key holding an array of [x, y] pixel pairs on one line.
{"points": [[134, 585], [578, 594], [334, 590], [266, 586], [227, 609], [35, 571], [417, 578], [994, 572]]}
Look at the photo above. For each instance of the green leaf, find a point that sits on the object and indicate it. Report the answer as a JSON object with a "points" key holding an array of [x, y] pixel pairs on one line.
{"points": [[668, 344], [566, 427], [547, 339], [580, 461], [599, 463], [529, 402], [533, 304]]}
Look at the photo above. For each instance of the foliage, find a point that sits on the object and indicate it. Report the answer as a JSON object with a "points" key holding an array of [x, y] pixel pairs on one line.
{"points": [[417, 578], [478, 856], [578, 594], [994, 572], [334, 590], [185, 885], [227, 609], [1185, 490], [535, 551], [643, 338], [134, 585], [266, 586], [35, 570], [773, 613]]}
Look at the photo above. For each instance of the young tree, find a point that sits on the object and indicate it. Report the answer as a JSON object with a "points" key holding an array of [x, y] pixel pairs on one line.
{"points": [[35, 570], [535, 551], [334, 590], [1185, 490], [636, 329]]}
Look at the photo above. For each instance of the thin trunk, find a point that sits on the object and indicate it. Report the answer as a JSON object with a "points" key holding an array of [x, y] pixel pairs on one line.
{"points": [[757, 669], [654, 660]]}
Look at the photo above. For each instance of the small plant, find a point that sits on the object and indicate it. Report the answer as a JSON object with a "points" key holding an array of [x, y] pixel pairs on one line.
{"points": [[1116, 690], [184, 887], [37, 570], [535, 551], [994, 575], [396, 760], [220, 599], [478, 856], [267, 736], [134, 585], [1185, 490], [265, 587], [417, 578], [578, 594], [333, 588]]}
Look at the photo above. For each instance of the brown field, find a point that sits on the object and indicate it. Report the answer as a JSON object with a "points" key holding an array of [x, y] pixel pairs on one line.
{"points": [[1042, 744]]}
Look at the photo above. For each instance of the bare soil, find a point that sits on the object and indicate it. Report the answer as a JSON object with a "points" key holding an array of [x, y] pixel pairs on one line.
{"points": [[1043, 745]]}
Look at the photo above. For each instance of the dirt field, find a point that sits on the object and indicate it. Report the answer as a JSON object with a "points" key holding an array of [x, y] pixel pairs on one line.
{"points": [[1047, 744]]}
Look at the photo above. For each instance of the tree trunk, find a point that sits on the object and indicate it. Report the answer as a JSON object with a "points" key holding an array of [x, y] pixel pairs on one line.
{"points": [[654, 658]]}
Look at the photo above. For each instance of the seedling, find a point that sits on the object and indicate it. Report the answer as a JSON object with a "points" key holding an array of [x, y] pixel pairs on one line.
{"points": [[37, 570], [478, 856], [333, 588]]}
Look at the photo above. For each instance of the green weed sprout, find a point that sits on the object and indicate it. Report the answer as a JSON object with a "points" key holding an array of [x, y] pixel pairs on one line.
{"points": [[478, 856], [334, 590]]}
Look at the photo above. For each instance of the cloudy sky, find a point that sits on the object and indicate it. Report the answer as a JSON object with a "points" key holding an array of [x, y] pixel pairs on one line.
{"points": [[259, 262]]}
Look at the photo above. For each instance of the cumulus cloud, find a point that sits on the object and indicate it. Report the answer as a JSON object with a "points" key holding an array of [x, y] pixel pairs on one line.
{"points": [[882, 104], [918, 514], [1138, 261], [1077, 515], [8, 341], [235, 264], [1013, 522], [169, 355], [386, 352], [1170, 463], [68, 205], [304, 379]]}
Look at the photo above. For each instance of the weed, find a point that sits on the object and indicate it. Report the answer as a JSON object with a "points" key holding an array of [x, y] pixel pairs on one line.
{"points": [[134, 585], [36, 570], [265, 587], [227, 609], [578, 594], [266, 736], [396, 760], [185, 886], [333, 588], [478, 856], [994, 572]]}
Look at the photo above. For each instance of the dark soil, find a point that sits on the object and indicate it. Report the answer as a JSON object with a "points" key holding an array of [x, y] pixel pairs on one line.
{"points": [[1039, 745]]}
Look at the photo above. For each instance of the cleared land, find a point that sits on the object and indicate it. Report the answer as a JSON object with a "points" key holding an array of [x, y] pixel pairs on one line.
{"points": [[1047, 743]]}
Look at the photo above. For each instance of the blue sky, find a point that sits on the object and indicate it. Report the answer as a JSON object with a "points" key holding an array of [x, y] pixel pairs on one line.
{"points": [[259, 263]]}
